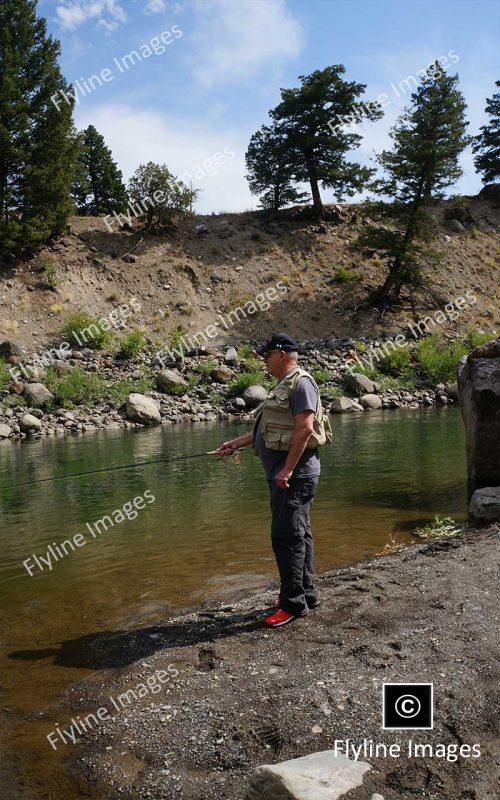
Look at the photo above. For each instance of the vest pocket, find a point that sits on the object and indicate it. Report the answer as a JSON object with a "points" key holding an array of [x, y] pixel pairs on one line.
{"points": [[277, 437]]}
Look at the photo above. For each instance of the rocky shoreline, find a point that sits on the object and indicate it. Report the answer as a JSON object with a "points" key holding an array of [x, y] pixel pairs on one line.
{"points": [[27, 406], [238, 696]]}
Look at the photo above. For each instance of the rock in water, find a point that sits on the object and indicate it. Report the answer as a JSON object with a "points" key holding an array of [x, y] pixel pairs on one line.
{"points": [[479, 397], [5, 431], [30, 423], [140, 408], [372, 401], [344, 405], [318, 776]]}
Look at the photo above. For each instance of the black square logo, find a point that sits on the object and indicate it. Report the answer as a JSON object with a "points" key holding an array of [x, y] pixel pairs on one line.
{"points": [[407, 706]]}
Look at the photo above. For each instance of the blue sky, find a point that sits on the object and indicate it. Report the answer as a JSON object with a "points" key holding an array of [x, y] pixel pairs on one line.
{"points": [[224, 62]]}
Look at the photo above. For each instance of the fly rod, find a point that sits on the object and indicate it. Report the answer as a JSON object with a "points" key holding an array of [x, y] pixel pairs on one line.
{"points": [[112, 469]]}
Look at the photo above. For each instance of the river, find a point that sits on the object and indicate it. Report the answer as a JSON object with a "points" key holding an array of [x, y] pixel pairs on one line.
{"points": [[205, 536]]}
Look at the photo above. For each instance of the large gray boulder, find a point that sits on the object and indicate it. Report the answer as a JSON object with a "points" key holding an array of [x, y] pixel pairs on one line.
{"points": [[30, 424], [37, 394], [359, 383], [370, 402], [140, 408], [456, 226], [491, 192], [170, 382], [485, 504], [344, 405], [479, 397], [254, 396], [318, 776], [5, 431]]}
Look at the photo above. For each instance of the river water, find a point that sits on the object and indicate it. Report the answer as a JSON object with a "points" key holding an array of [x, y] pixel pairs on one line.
{"points": [[206, 535]]}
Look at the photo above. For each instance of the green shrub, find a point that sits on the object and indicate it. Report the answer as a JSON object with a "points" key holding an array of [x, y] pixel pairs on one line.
{"points": [[341, 275], [5, 377], [320, 376], [406, 380], [245, 350], [75, 387], [131, 345], [118, 391], [330, 392], [438, 358], [205, 366], [51, 275], [441, 528], [395, 361], [241, 382], [83, 330], [474, 338]]}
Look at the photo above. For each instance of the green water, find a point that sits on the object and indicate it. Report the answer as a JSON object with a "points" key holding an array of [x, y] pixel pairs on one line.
{"points": [[206, 535]]}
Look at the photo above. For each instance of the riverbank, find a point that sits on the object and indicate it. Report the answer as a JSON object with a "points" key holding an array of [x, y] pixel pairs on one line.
{"points": [[87, 390], [244, 696]]}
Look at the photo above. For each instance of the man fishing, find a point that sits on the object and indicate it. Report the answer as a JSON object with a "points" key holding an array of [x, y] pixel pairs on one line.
{"points": [[289, 427]]}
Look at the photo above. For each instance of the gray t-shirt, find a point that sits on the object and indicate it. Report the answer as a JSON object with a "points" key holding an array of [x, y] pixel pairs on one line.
{"points": [[303, 398]]}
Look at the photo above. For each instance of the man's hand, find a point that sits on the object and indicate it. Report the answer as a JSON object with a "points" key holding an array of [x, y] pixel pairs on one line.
{"points": [[283, 477], [226, 448]]}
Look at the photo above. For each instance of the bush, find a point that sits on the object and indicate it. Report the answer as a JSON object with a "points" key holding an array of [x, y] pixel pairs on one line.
{"points": [[83, 330], [5, 377], [241, 382], [395, 362], [155, 188], [131, 345], [474, 338], [51, 279], [438, 358], [75, 387], [320, 376], [205, 366]]}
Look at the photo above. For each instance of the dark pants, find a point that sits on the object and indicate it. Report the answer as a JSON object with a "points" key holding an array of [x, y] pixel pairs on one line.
{"points": [[292, 543]]}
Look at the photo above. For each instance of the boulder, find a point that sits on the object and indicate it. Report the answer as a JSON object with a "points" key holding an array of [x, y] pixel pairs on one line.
{"points": [[455, 226], [344, 405], [37, 394], [452, 391], [231, 356], [201, 230], [485, 504], [140, 408], [461, 213], [254, 395], [5, 431], [11, 352], [371, 401], [479, 398], [29, 424], [170, 382], [357, 382], [222, 374], [129, 259], [318, 776]]}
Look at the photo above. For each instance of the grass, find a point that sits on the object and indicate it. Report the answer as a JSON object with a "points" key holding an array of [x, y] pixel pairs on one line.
{"points": [[438, 358], [441, 528], [331, 392], [78, 387], [51, 274], [131, 345], [243, 381], [83, 330], [395, 361], [205, 366], [5, 377], [475, 338], [320, 376], [343, 275]]}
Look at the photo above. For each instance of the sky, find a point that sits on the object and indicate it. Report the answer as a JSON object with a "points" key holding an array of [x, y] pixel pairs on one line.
{"points": [[207, 72]]}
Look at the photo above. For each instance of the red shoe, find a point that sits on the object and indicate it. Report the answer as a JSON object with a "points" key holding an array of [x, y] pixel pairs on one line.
{"points": [[278, 619]]}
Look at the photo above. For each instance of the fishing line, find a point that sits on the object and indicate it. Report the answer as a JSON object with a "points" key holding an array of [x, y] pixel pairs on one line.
{"points": [[113, 469]]}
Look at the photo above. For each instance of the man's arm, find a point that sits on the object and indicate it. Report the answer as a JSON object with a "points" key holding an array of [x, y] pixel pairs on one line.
{"points": [[304, 423], [226, 448]]}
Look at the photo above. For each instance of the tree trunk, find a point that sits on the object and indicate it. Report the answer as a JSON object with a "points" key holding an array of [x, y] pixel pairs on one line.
{"points": [[313, 181]]}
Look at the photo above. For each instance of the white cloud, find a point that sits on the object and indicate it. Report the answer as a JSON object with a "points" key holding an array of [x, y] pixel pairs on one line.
{"points": [[136, 137], [108, 13], [235, 40], [155, 7]]}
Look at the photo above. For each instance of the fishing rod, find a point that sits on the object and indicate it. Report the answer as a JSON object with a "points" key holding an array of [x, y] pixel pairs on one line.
{"points": [[122, 466]]}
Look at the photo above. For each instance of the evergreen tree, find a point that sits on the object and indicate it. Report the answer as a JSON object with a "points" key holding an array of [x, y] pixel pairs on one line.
{"points": [[428, 139], [98, 187], [314, 118], [270, 172], [37, 141], [157, 194], [487, 144]]}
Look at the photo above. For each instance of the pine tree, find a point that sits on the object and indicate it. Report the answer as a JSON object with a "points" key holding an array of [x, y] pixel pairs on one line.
{"points": [[270, 172], [37, 141], [98, 187], [487, 144], [428, 139], [314, 118]]}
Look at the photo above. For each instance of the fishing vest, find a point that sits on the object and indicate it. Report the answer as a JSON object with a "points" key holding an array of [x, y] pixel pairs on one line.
{"points": [[277, 421]]}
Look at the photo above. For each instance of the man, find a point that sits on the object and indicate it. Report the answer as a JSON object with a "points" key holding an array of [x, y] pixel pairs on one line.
{"points": [[288, 429]]}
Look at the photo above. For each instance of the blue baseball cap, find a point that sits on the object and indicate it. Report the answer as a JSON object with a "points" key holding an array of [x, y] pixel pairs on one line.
{"points": [[278, 341]]}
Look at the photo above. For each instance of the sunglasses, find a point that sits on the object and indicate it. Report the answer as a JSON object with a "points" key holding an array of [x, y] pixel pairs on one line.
{"points": [[267, 356]]}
